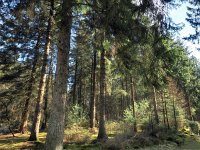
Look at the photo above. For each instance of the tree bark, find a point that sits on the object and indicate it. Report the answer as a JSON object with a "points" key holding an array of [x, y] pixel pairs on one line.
{"points": [[166, 112], [133, 104], [25, 113], [46, 96], [163, 109], [80, 101], [188, 110], [75, 79], [128, 103], [38, 108], [93, 91], [55, 133], [155, 106], [102, 130], [174, 113]]}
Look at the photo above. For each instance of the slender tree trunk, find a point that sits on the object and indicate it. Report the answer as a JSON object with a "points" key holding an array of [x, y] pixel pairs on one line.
{"points": [[102, 130], [25, 113], [75, 79], [80, 88], [128, 103], [55, 133], [189, 112], [133, 104], [93, 92], [38, 108], [44, 123], [174, 113], [123, 99], [84, 97], [155, 106], [163, 109], [166, 112]]}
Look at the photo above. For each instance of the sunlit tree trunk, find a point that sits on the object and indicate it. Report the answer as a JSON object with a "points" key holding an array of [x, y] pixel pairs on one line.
{"points": [[166, 112], [93, 92], [174, 113], [38, 109], [55, 133], [75, 79], [123, 102], [25, 113], [133, 92], [46, 95], [155, 105], [163, 109]]}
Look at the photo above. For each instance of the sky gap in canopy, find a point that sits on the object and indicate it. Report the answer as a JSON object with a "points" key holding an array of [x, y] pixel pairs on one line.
{"points": [[178, 15]]}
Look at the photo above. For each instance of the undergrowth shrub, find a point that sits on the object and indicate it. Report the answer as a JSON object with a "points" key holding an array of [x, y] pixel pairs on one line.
{"points": [[142, 113], [158, 136], [194, 126], [78, 135], [76, 117]]}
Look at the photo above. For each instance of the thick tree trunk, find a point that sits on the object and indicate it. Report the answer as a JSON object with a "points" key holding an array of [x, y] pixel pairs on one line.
{"points": [[102, 130], [155, 106], [93, 92], [38, 108], [25, 113], [133, 94], [55, 133]]}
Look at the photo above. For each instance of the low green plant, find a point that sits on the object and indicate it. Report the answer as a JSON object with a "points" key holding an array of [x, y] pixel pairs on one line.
{"points": [[141, 111], [76, 117], [194, 126]]}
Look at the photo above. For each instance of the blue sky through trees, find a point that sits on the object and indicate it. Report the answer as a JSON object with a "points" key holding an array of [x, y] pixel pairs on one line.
{"points": [[178, 16]]}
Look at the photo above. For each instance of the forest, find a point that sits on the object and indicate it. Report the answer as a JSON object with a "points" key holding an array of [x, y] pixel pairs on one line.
{"points": [[98, 75]]}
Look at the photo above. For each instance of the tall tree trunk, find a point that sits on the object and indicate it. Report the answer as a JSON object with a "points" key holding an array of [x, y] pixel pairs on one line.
{"points": [[166, 112], [123, 99], [55, 133], [188, 109], [102, 130], [46, 96], [25, 113], [133, 94], [38, 109], [163, 109], [84, 97], [80, 88], [174, 113], [155, 106], [93, 91], [75, 79], [128, 103]]}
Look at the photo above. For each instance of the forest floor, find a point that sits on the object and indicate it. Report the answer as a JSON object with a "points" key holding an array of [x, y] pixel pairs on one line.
{"points": [[81, 138]]}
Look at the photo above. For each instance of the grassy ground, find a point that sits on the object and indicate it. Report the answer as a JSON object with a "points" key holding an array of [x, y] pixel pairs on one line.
{"points": [[76, 138], [191, 143], [81, 138]]}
